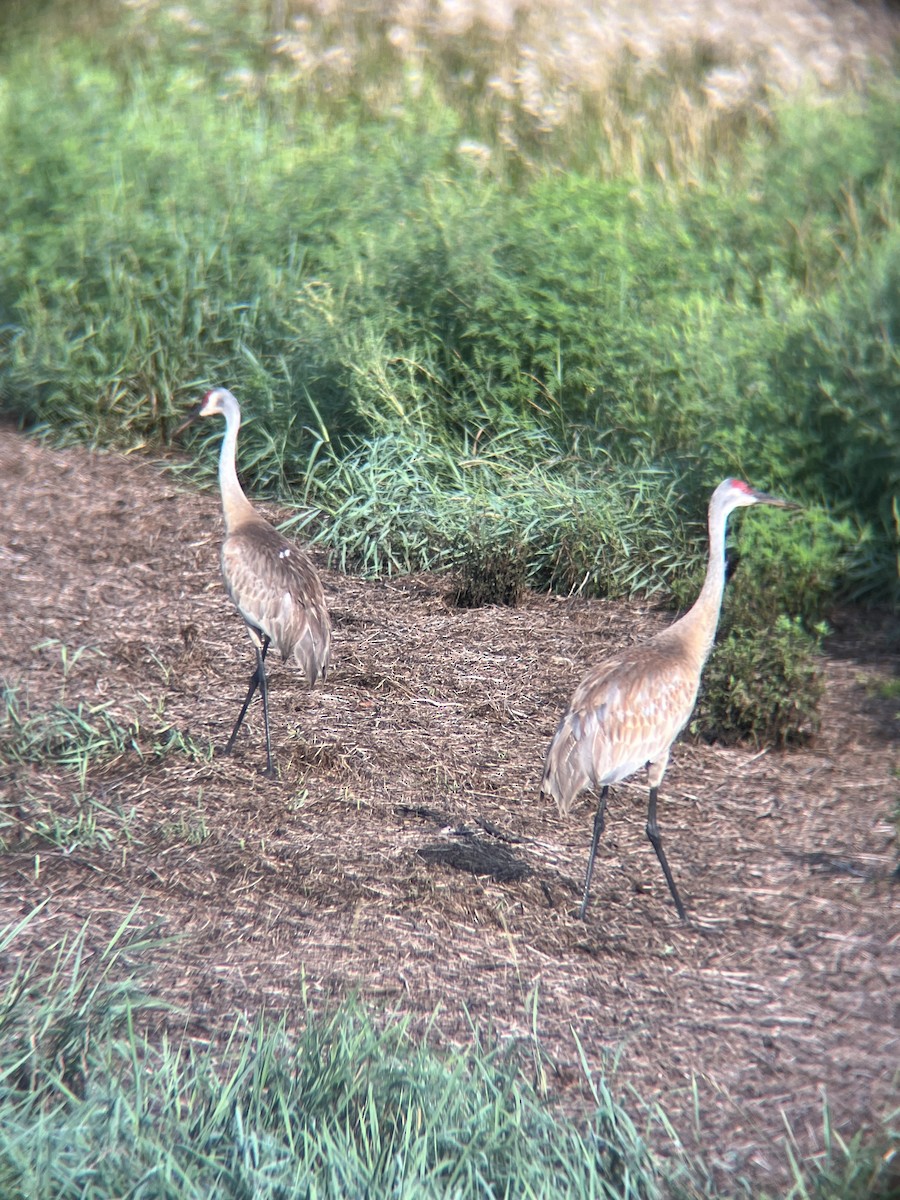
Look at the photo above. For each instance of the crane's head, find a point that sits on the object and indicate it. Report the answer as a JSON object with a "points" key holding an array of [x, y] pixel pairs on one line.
{"points": [[734, 493], [218, 402]]}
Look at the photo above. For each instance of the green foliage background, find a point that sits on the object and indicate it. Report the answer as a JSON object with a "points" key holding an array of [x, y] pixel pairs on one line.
{"points": [[461, 338], [356, 274]]}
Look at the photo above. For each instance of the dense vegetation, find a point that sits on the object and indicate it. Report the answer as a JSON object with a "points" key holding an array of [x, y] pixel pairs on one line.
{"points": [[342, 1109], [453, 353], [433, 334], [517, 325]]}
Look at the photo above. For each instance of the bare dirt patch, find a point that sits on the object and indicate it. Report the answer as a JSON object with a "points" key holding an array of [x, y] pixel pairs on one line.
{"points": [[403, 852]]}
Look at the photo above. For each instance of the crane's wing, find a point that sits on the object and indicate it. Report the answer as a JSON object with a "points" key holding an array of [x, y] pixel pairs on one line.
{"points": [[624, 714], [277, 590]]}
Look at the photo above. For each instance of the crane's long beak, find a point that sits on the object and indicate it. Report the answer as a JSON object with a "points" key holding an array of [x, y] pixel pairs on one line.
{"points": [[765, 498], [189, 419]]}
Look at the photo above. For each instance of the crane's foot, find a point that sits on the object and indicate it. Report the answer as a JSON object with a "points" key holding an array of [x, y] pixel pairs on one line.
{"points": [[679, 908]]}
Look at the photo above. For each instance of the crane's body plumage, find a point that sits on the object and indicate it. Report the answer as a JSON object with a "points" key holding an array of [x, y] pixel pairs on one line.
{"points": [[273, 583], [629, 709], [624, 714], [276, 589]]}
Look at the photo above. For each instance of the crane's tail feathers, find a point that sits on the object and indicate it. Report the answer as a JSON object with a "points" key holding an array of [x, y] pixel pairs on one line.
{"points": [[312, 652], [568, 766]]}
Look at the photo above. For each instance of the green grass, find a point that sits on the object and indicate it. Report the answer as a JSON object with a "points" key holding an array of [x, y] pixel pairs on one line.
{"points": [[73, 737], [356, 275], [79, 737], [101, 1097], [470, 323], [404, 501], [858, 1168], [83, 740], [85, 823], [537, 364], [93, 1103]]}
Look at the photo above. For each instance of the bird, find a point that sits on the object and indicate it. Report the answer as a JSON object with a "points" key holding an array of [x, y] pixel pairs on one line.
{"points": [[628, 710], [273, 583]]}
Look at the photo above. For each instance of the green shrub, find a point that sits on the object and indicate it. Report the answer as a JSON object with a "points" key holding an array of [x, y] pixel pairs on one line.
{"points": [[786, 562], [762, 685], [764, 679], [845, 369]]}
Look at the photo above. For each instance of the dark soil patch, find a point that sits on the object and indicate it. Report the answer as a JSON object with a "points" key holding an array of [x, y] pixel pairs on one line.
{"points": [[404, 853]]}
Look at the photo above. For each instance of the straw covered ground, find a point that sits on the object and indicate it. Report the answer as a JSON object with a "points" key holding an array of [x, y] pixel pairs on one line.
{"points": [[403, 851]]}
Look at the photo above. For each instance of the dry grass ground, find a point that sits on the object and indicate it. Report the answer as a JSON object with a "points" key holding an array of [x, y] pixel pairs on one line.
{"points": [[419, 760]]}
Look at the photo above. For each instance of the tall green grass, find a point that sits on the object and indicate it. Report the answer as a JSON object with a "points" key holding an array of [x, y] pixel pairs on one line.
{"points": [[183, 208], [406, 500]]}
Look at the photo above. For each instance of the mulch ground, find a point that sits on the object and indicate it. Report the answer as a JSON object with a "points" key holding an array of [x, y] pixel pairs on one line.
{"points": [[403, 853]]}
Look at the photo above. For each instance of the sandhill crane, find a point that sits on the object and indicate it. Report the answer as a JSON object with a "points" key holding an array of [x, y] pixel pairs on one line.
{"points": [[628, 710], [274, 584]]}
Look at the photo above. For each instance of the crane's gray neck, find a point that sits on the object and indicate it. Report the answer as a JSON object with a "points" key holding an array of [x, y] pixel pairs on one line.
{"points": [[702, 618], [234, 503]]}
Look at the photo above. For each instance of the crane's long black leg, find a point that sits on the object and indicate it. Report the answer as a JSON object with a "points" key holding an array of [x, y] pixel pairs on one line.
{"points": [[254, 684], [599, 824], [653, 835], [264, 689]]}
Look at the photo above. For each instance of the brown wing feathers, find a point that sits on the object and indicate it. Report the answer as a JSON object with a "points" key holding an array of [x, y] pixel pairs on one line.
{"points": [[276, 588], [624, 714]]}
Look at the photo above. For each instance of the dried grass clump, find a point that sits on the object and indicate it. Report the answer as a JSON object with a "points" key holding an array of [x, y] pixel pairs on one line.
{"points": [[634, 88], [654, 86]]}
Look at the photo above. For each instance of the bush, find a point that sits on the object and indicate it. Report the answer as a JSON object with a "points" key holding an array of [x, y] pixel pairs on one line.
{"points": [[764, 679], [787, 562], [413, 500], [487, 573], [762, 685], [845, 369]]}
